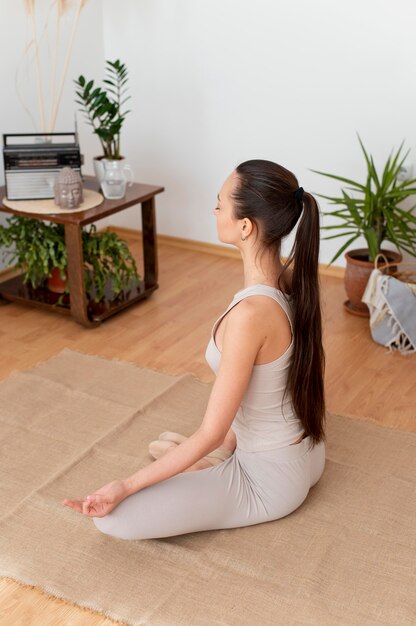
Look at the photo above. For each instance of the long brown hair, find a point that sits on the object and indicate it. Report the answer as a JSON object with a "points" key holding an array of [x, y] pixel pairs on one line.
{"points": [[265, 193]]}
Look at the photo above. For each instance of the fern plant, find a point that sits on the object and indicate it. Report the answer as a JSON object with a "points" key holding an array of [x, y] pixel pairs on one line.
{"points": [[39, 247], [103, 107], [107, 257], [34, 246]]}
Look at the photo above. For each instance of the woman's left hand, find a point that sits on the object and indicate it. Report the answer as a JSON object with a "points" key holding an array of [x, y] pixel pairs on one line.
{"points": [[101, 502]]}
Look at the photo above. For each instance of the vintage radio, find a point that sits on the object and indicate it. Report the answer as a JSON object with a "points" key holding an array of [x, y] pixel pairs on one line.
{"points": [[31, 162]]}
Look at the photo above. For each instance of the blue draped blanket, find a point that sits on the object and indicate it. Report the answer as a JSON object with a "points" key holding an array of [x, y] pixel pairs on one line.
{"points": [[392, 305]]}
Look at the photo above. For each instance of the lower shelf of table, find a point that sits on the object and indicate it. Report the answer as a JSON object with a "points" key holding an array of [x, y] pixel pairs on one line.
{"points": [[14, 290]]}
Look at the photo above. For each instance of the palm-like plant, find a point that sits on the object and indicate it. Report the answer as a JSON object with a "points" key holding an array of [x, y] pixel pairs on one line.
{"points": [[375, 213], [102, 107]]}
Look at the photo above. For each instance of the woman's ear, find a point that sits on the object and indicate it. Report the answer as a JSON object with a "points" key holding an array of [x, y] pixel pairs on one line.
{"points": [[247, 227]]}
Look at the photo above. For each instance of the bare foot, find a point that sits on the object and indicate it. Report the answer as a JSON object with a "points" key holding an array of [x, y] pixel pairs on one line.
{"points": [[166, 443], [202, 464]]}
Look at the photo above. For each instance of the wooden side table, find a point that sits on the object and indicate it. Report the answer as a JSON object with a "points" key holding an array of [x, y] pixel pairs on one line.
{"points": [[77, 304]]}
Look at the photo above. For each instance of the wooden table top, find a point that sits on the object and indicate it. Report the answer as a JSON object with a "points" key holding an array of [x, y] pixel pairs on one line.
{"points": [[136, 194]]}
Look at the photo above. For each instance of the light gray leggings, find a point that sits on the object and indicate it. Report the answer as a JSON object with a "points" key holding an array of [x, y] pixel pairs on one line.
{"points": [[247, 488]]}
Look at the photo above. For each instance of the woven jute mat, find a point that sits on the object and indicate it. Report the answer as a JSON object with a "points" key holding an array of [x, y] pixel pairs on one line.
{"points": [[75, 422]]}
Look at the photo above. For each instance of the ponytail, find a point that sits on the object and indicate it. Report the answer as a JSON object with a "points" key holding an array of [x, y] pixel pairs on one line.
{"points": [[306, 372], [269, 195]]}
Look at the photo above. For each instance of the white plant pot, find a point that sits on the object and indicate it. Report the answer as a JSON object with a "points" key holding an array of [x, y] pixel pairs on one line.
{"points": [[98, 163], [114, 175], [98, 168]]}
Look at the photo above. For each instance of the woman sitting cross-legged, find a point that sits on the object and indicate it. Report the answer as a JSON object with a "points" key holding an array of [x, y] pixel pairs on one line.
{"points": [[260, 445]]}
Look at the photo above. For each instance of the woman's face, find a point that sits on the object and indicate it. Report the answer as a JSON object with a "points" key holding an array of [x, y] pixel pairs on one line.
{"points": [[229, 229]]}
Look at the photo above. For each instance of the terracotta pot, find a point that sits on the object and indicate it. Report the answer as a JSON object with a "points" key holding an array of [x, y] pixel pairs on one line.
{"points": [[356, 276], [55, 282]]}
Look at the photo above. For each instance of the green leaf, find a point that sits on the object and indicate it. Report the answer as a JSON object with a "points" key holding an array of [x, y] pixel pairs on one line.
{"points": [[88, 86], [399, 192], [356, 185], [372, 241], [406, 214], [370, 166], [333, 200], [344, 247], [350, 203], [337, 226], [339, 235]]}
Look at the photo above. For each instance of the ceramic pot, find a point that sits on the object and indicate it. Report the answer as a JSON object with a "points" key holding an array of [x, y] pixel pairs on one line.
{"points": [[117, 175], [98, 164], [55, 282], [356, 276], [98, 168]]}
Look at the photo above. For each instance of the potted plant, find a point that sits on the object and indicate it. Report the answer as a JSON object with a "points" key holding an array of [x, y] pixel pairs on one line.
{"points": [[39, 249], [107, 258], [103, 111], [373, 211], [36, 247]]}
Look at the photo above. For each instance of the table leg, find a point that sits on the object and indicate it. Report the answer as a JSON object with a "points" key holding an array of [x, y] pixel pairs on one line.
{"points": [[77, 294], [149, 243]]}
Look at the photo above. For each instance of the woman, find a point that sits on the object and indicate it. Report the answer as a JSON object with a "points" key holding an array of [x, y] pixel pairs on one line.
{"points": [[267, 403]]}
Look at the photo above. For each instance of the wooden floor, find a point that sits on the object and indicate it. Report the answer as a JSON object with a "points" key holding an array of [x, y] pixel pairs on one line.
{"points": [[169, 332]]}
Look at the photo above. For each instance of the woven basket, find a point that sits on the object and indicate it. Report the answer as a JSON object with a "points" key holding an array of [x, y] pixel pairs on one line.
{"points": [[395, 269]]}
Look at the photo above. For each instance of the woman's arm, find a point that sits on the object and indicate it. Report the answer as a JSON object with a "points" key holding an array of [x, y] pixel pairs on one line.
{"points": [[179, 459], [243, 337]]}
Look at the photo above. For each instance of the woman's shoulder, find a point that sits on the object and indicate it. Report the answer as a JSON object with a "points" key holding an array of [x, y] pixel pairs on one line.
{"points": [[256, 312], [249, 314], [263, 321], [248, 308], [247, 320]]}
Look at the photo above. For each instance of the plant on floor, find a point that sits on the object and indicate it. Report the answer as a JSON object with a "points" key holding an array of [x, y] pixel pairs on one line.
{"points": [[375, 213], [102, 107], [39, 247]]}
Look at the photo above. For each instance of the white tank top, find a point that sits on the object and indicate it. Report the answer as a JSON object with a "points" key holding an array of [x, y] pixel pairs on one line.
{"points": [[259, 423]]}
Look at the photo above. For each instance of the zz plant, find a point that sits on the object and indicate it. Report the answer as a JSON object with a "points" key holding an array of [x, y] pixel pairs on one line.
{"points": [[103, 107], [38, 247]]}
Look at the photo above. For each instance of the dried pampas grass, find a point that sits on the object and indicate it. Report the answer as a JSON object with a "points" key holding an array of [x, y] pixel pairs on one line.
{"points": [[65, 5], [54, 110], [61, 7], [29, 6]]}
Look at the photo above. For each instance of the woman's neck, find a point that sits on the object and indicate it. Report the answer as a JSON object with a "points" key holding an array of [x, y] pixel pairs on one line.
{"points": [[261, 275], [266, 271]]}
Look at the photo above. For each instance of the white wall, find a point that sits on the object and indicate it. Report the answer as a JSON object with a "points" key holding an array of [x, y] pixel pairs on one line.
{"points": [[88, 58], [216, 83]]}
